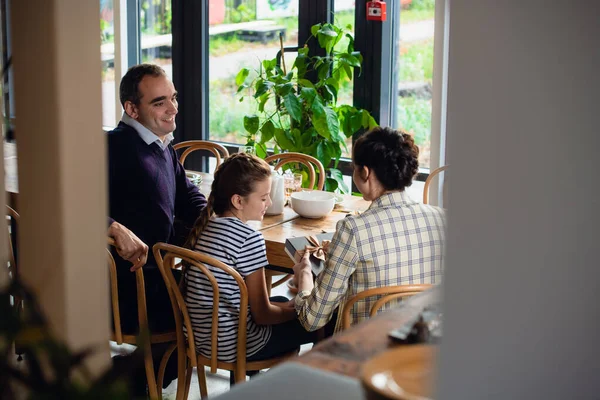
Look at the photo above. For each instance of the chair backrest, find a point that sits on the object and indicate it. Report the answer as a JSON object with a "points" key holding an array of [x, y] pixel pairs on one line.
{"points": [[141, 296], [387, 293], [429, 179], [12, 219], [286, 158], [199, 261], [220, 152]]}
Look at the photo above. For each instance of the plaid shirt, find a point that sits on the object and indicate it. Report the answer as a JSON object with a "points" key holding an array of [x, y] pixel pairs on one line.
{"points": [[397, 241]]}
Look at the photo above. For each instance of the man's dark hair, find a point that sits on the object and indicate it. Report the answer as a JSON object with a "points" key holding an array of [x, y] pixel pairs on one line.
{"points": [[391, 154], [129, 89]]}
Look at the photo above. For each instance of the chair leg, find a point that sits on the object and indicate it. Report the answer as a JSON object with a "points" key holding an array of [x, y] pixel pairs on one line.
{"points": [[163, 365], [231, 379], [202, 381], [149, 366], [188, 380]]}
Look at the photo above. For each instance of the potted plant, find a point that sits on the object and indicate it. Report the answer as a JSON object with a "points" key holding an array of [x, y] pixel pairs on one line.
{"points": [[298, 114]]}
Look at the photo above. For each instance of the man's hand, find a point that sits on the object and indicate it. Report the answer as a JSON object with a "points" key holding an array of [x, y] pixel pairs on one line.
{"points": [[129, 246]]}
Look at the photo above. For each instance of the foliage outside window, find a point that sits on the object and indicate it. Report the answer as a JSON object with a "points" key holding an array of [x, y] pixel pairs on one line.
{"points": [[301, 115]]}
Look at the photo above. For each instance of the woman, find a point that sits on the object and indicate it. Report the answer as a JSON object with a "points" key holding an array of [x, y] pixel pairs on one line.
{"points": [[397, 241]]}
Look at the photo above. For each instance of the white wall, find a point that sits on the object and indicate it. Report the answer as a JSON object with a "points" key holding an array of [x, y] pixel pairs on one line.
{"points": [[523, 274], [62, 167]]}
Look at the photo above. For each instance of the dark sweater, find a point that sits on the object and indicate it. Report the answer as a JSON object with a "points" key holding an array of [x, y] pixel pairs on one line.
{"points": [[148, 189]]}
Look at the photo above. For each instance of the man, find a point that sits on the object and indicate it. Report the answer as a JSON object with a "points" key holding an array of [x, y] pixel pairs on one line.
{"points": [[148, 190]]}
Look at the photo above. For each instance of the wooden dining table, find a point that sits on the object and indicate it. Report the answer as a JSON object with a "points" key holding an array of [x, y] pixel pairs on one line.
{"points": [[346, 352], [277, 228]]}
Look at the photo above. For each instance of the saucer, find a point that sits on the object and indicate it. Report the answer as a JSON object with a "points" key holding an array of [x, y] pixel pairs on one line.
{"points": [[402, 373]]}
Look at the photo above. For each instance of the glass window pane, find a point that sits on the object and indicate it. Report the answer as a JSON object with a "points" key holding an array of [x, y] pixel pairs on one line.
{"points": [[415, 71], [107, 52], [344, 18], [156, 39], [242, 33]]}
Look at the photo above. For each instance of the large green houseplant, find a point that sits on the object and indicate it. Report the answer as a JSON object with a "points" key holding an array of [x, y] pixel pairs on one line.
{"points": [[300, 114]]}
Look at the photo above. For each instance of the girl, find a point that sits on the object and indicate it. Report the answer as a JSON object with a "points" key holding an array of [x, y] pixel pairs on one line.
{"points": [[239, 193]]}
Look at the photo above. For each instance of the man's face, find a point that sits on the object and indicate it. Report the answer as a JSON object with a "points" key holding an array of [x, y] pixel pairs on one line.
{"points": [[158, 105]]}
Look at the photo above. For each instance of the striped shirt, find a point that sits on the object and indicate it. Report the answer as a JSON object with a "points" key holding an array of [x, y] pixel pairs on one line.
{"points": [[397, 241], [239, 246]]}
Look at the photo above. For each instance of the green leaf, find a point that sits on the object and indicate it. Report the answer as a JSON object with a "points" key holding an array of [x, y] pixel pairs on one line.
{"points": [[306, 137], [293, 106], [372, 123], [348, 70], [325, 120], [308, 94], [251, 123], [296, 135], [283, 140], [305, 83], [323, 153], [241, 76], [337, 175], [323, 70], [315, 29], [261, 150], [331, 184], [262, 86], [262, 101], [241, 87], [334, 83], [350, 60], [267, 131]]}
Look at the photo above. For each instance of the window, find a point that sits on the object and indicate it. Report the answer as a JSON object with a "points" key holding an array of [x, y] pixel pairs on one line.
{"points": [[415, 72], [241, 33], [156, 38], [107, 53]]}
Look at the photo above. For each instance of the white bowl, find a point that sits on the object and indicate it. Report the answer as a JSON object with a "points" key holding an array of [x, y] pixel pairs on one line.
{"points": [[312, 203]]}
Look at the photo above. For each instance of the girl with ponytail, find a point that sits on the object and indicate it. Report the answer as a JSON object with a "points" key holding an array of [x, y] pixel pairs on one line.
{"points": [[239, 193]]}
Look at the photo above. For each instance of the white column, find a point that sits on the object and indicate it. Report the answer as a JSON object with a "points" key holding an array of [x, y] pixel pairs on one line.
{"points": [[521, 317], [61, 160]]}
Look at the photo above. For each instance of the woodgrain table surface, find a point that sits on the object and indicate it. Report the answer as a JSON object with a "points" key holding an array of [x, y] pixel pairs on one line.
{"points": [[346, 352]]}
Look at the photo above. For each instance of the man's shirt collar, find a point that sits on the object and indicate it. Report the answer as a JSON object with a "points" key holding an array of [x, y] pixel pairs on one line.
{"points": [[146, 134]]}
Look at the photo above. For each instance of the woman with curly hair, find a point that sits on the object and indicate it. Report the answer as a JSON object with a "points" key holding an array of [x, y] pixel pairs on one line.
{"points": [[397, 241]]}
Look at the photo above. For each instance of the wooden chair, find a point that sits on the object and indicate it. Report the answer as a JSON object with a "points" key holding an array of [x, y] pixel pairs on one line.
{"points": [[279, 161], [389, 293], [220, 152], [282, 159], [154, 388], [187, 346], [428, 181], [12, 219]]}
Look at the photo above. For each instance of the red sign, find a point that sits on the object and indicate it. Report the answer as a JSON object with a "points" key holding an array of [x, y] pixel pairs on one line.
{"points": [[376, 11]]}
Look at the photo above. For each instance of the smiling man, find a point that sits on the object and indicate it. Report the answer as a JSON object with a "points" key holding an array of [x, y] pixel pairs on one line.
{"points": [[148, 190]]}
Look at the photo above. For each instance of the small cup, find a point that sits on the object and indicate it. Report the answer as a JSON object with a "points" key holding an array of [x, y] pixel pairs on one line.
{"points": [[297, 182]]}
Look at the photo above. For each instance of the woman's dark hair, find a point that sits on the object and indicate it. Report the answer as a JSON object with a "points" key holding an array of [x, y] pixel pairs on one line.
{"points": [[391, 154], [238, 174], [130, 83]]}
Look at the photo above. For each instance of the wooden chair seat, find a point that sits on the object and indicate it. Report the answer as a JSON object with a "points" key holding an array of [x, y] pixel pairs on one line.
{"points": [[388, 294], [279, 160], [219, 151], [165, 255], [430, 179], [154, 385]]}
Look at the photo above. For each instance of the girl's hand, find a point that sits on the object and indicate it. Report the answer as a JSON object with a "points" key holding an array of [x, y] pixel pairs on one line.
{"points": [[302, 266]]}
